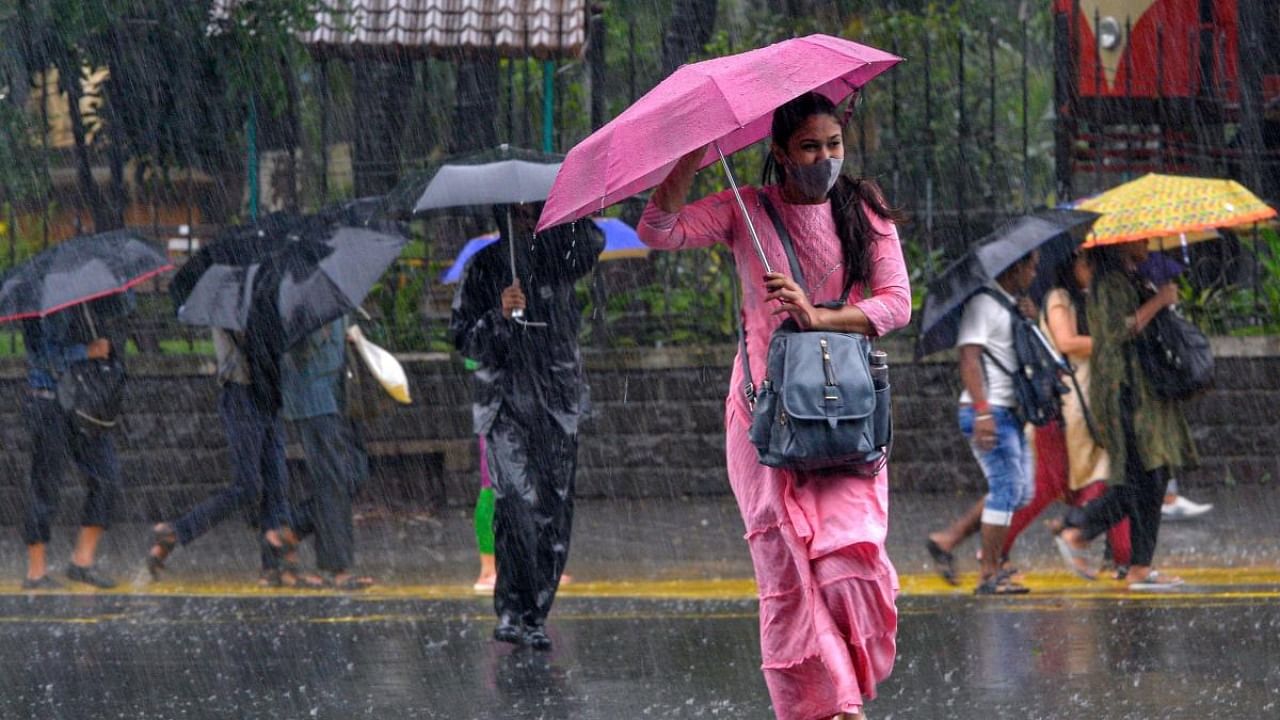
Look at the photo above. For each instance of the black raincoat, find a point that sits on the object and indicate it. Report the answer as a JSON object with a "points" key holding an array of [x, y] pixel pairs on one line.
{"points": [[529, 396]]}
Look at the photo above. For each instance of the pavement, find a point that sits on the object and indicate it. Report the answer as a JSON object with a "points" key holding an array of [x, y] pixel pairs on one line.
{"points": [[659, 621], [679, 548]]}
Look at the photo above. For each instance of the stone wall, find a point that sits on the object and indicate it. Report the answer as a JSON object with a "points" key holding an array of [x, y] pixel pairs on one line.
{"points": [[656, 429]]}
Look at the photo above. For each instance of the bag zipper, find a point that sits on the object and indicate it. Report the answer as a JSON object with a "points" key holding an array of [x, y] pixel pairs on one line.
{"points": [[829, 371]]}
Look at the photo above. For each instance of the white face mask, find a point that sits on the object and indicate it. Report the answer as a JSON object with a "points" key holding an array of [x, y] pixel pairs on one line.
{"points": [[813, 182]]}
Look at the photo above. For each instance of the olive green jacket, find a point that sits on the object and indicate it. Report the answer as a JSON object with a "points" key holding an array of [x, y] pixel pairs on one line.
{"points": [[1160, 429]]}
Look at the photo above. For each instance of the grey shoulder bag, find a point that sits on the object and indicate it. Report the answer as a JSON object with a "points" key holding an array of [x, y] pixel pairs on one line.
{"points": [[824, 402]]}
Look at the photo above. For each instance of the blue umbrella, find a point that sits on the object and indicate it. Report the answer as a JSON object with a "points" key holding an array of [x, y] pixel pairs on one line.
{"points": [[620, 241]]}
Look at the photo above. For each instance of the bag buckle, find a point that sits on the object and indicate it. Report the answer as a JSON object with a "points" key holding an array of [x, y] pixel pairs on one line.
{"points": [[749, 390]]}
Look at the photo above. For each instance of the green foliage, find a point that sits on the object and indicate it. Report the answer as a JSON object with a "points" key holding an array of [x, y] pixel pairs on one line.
{"points": [[1250, 309], [395, 304]]}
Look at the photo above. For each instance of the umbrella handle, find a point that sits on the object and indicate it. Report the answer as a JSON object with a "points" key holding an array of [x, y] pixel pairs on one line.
{"points": [[751, 228], [517, 314]]}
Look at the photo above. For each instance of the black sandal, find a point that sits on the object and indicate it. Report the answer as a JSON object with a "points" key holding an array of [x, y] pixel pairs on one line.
{"points": [[164, 538], [945, 562]]}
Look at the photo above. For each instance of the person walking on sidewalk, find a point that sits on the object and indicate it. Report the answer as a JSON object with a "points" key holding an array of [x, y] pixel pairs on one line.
{"points": [[311, 377], [1146, 436], [255, 443], [828, 619], [988, 417], [53, 343], [530, 394], [1070, 466]]}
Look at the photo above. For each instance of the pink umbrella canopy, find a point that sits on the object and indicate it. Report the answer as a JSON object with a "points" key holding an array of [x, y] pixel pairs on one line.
{"points": [[728, 101]]}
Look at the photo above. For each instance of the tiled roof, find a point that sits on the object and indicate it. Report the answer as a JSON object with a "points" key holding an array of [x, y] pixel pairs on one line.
{"points": [[519, 28]]}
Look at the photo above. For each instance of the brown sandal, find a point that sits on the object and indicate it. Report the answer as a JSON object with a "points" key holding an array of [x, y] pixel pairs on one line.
{"points": [[164, 540]]}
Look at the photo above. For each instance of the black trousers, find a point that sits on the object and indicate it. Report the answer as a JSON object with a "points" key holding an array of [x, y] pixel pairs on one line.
{"points": [[55, 439], [1139, 498], [532, 463]]}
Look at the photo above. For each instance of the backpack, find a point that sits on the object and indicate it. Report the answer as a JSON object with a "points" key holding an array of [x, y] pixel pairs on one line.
{"points": [[823, 404], [1176, 356], [1037, 379]]}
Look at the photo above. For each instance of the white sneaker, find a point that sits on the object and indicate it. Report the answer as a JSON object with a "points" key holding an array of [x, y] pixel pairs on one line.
{"points": [[1183, 509]]}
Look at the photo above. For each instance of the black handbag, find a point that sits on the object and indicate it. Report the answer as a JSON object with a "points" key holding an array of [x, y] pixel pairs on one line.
{"points": [[92, 392], [824, 402], [1175, 356]]}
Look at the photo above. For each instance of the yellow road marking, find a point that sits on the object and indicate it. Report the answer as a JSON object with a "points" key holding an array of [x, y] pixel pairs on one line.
{"points": [[1202, 585]]}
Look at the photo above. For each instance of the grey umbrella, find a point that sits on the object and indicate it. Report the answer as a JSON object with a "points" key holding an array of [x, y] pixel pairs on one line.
{"points": [[501, 176], [952, 288]]}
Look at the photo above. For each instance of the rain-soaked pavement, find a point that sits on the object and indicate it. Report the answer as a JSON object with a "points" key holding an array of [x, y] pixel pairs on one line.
{"points": [[659, 622]]}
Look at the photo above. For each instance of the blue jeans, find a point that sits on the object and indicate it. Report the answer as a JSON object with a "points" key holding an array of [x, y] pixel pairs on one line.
{"points": [[255, 441], [1008, 466]]}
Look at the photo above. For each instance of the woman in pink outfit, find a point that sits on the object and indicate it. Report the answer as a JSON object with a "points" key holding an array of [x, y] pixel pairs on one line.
{"points": [[828, 622]]}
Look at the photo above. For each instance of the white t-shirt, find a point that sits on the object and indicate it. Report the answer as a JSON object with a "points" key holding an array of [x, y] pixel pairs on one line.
{"points": [[987, 323]]}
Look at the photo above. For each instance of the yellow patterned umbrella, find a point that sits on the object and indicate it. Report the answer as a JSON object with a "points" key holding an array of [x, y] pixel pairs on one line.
{"points": [[1161, 206]]}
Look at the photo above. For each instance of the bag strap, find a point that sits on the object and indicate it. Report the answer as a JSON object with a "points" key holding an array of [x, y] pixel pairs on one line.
{"points": [[1013, 310], [779, 227], [748, 385]]}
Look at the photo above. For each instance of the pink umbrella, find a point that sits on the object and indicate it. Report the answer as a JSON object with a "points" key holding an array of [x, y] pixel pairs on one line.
{"points": [[727, 103]]}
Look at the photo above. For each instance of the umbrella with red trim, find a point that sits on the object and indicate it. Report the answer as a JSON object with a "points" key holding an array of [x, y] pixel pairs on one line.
{"points": [[77, 271]]}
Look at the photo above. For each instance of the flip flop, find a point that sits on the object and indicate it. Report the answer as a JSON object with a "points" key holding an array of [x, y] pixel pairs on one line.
{"points": [[945, 562], [1071, 555], [1156, 581], [352, 582]]}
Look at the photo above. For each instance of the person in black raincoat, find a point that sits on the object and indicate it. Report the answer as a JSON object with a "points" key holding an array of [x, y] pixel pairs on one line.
{"points": [[529, 396]]}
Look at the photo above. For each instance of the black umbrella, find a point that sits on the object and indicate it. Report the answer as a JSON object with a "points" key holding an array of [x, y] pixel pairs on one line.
{"points": [[311, 275], [76, 271], [1054, 231]]}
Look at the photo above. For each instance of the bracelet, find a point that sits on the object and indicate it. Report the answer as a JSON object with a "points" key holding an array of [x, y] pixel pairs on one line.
{"points": [[981, 406], [983, 416]]}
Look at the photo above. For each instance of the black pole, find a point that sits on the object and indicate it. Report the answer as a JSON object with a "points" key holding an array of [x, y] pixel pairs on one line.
{"points": [[1249, 49], [1066, 111], [962, 133], [1026, 146], [511, 100], [1162, 109], [596, 65], [991, 116], [1128, 100], [897, 138], [929, 149], [1099, 101]]}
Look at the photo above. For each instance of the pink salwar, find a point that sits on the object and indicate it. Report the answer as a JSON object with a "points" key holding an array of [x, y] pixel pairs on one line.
{"points": [[828, 620]]}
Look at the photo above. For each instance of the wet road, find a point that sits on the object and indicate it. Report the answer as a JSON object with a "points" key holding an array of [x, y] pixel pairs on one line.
{"points": [[684, 650]]}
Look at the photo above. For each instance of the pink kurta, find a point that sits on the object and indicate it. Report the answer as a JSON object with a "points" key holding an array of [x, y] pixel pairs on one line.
{"points": [[828, 622]]}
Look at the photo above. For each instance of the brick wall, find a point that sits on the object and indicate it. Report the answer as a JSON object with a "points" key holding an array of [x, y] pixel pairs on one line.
{"points": [[656, 429]]}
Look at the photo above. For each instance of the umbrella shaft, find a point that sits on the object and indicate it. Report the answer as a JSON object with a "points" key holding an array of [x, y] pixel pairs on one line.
{"points": [[751, 228]]}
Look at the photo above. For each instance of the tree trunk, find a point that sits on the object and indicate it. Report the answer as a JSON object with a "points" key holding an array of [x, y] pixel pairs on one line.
{"points": [[103, 220], [688, 29]]}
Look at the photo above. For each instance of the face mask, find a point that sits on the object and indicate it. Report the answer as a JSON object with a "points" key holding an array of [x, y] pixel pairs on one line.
{"points": [[813, 182]]}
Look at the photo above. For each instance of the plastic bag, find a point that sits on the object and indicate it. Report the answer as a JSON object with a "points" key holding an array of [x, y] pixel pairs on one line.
{"points": [[382, 365]]}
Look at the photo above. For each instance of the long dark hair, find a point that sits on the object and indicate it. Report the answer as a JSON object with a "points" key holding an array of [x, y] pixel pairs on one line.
{"points": [[1064, 276], [847, 196]]}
